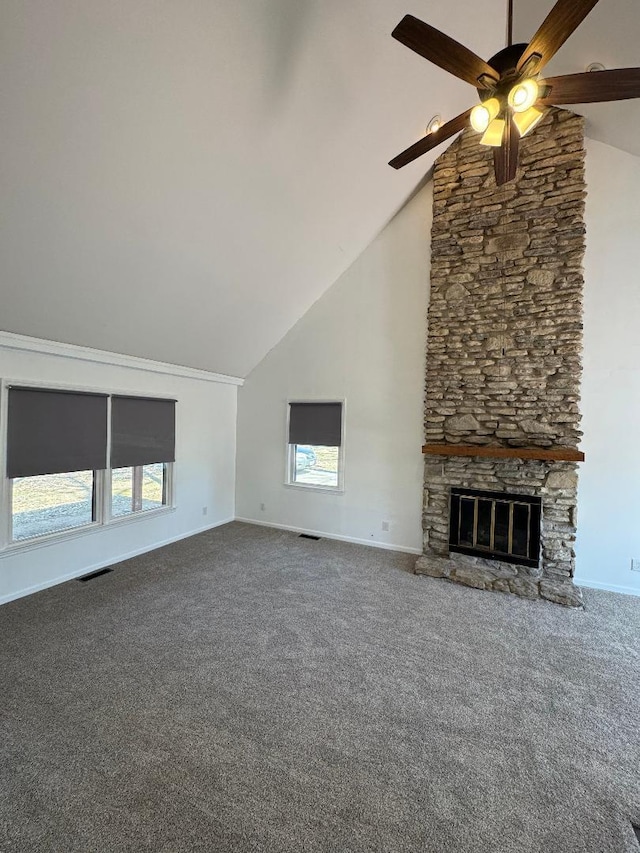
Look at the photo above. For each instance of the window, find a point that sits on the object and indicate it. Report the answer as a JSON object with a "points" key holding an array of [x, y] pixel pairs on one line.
{"points": [[51, 503], [315, 445], [315, 465], [58, 454], [142, 446], [56, 442], [138, 488]]}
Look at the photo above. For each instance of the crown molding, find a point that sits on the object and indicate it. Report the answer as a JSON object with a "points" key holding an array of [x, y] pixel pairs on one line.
{"points": [[24, 343]]}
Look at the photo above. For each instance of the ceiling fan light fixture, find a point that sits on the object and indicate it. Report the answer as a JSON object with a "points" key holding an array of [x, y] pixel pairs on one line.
{"points": [[523, 95], [483, 114], [494, 133], [509, 84], [525, 122]]}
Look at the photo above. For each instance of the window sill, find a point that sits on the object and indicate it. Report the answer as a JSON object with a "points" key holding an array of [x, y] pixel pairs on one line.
{"points": [[79, 532], [308, 487], [138, 516]]}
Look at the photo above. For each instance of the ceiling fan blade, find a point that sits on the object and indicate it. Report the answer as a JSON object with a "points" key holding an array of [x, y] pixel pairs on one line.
{"points": [[444, 51], [505, 158], [591, 87], [431, 140], [556, 28]]}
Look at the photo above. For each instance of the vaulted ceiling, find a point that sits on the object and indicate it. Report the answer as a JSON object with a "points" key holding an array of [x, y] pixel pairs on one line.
{"points": [[609, 35], [182, 179]]}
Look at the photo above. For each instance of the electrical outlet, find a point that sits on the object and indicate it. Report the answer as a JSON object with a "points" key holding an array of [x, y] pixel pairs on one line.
{"points": [[205, 510], [385, 526], [635, 564], [262, 507]]}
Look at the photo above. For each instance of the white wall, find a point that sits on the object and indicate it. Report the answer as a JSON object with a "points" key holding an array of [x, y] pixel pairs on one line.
{"points": [[204, 468], [609, 491], [363, 341]]}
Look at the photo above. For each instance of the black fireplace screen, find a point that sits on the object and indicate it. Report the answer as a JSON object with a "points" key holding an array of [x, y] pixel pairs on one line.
{"points": [[495, 524]]}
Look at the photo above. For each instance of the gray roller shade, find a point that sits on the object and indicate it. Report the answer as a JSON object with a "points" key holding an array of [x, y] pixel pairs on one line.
{"points": [[52, 432], [315, 423], [142, 431]]}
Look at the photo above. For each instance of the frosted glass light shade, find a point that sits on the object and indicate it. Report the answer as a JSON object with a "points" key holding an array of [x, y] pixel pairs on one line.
{"points": [[526, 121], [523, 96], [483, 114], [494, 133]]}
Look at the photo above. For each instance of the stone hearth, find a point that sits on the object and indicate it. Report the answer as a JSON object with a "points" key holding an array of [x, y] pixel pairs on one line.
{"points": [[504, 347]]}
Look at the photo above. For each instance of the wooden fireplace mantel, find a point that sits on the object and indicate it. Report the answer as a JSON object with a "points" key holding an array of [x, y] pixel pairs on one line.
{"points": [[552, 454]]}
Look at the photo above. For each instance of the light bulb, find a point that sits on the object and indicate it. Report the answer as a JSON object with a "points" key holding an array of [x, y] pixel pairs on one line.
{"points": [[480, 118], [483, 114], [526, 121], [523, 96], [494, 133], [435, 124]]}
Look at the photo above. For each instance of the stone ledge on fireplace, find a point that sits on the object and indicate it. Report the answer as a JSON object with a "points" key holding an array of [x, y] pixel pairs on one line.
{"points": [[500, 577]]}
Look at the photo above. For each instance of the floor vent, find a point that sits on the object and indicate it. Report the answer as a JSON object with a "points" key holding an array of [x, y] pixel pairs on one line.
{"points": [[309, 536], [636, 829], [93, 575]]}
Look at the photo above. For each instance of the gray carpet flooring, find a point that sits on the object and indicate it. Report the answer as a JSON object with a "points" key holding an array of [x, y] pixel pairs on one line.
{"points": [[248, 690]]}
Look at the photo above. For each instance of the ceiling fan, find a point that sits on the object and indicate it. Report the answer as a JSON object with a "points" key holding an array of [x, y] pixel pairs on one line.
{"points": [[512, 94]]}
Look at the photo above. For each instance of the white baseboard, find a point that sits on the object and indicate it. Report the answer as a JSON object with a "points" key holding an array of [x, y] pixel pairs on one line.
{"points": [[103, 564], [370, 542], [608, 587]]}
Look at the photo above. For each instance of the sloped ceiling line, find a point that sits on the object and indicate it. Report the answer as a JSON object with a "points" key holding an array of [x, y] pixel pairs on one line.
{"points": [[182, 181]]}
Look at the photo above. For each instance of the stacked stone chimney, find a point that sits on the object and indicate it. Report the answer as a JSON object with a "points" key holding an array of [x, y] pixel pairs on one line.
{"points": [[504, 346]]}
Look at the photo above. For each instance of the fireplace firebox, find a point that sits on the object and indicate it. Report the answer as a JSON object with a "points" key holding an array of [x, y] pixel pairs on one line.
{"points": [[496, 525]]}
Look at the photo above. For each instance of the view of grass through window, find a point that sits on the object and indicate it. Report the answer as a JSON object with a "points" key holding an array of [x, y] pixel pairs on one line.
{"points": [[137, 489], [316, 465], [50, 503]]}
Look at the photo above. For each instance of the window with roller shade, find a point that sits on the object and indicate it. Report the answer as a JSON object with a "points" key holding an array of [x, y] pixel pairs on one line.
{"points": [[142, 450], [315, 451], [61, 458], [56, 445]]}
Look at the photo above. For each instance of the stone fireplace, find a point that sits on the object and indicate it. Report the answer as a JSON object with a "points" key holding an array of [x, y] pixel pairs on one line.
{"points": [[504, 363]]}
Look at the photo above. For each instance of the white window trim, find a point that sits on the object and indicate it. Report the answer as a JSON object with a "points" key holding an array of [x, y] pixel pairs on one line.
{"points": [[103, 520], [79, 532], [290, 456]]}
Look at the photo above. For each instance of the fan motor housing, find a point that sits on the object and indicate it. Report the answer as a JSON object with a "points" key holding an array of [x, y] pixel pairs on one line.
{"points": [[505, 63]]}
